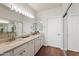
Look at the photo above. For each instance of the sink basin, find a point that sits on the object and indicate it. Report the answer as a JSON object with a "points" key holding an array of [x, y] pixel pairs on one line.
{"points": [[25, 36]]}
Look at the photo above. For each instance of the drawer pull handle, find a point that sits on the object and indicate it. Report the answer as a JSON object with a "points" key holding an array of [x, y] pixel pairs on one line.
{"points": [[22, 52]]}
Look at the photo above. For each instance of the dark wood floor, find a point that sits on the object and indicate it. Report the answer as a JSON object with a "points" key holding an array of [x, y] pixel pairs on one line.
{"points": [[72, 53], [49, 51]]}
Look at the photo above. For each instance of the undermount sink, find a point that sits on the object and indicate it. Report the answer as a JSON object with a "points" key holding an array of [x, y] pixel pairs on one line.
{"points": [[25, 36]]}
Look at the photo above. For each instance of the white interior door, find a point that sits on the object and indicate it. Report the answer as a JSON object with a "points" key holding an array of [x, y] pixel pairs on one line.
{"points": [[65, 30], [55, 32], [19, 29], [73, 33]]}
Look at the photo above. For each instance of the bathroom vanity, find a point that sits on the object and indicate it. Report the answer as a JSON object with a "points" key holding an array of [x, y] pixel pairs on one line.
{"points": [[28, 46]]}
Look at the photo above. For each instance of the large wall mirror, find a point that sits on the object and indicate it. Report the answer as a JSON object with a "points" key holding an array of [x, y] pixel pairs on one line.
{"points": [[14, 25], [10, 30], [7, 30]]}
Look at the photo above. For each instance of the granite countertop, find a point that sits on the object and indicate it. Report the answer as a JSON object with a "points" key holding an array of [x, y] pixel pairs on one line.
{"points": [[4, 47]]}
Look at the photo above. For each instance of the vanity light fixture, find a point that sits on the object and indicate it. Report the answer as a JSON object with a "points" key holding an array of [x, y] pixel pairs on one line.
{"points": [[21, 11], [4, 21], [29, 15], [25, 14]]}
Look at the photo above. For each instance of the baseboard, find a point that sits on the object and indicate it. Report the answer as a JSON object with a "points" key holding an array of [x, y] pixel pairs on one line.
{"points": [[55, 46], [51, 46], [72, 51], [44, 44]]}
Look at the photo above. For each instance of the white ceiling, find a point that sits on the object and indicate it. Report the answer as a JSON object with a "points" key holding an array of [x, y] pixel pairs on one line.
{"points": [[38, 7]]}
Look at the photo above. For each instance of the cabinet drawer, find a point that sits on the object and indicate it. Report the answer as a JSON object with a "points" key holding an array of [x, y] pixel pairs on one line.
{"points": [[25, 50], [8, 53], [20, 50]]}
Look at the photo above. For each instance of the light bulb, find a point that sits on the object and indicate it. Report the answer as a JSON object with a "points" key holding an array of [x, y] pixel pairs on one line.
{"points": [[23, 12], [12, 8], [19, 10], [4, 21]]}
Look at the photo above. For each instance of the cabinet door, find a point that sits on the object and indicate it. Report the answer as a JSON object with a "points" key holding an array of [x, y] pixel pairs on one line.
{"points": [[30, 48], [19, 51], [25, 50], [37, 45], [42, 40]]}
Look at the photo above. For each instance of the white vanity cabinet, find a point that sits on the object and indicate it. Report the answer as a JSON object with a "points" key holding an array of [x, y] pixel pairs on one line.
{"points": [[25, 50], [42, 40], [20, 51], [28, 48], [37, 44]]}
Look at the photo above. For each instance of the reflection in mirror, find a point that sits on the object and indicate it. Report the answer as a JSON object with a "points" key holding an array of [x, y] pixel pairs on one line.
{"points": [[10, 24], [7, 31], [15, 25], [18, 29]]}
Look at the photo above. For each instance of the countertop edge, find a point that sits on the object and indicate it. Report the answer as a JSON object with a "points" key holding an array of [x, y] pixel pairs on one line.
{"points": [[21, 43]]}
